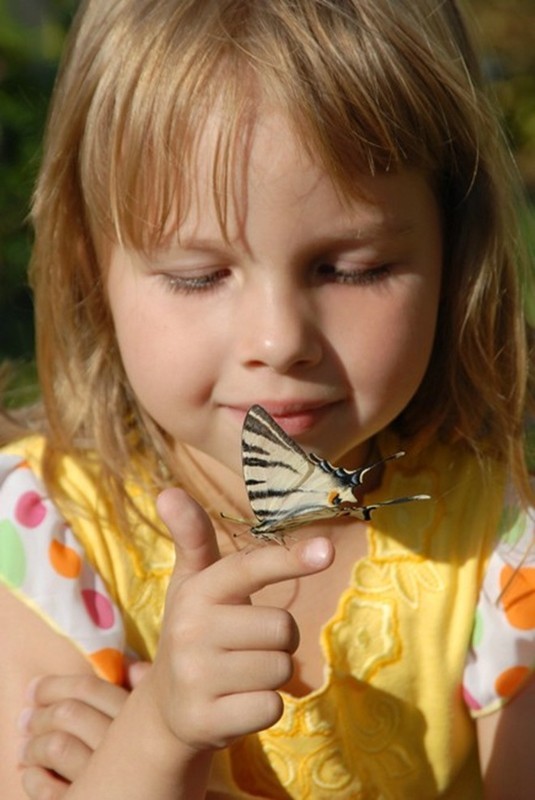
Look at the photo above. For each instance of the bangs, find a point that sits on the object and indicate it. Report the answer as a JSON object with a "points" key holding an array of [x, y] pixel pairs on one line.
{"points": [[328, 66]]}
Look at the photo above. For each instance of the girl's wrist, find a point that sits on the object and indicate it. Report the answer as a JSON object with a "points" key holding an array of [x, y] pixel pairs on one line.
{"points": [[140, 757], [185, 768]]}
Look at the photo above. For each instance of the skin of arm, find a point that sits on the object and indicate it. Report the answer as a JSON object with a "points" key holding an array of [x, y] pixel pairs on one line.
{"points": [[506, 742], [215, 676], [29, 649], [79, 708]]}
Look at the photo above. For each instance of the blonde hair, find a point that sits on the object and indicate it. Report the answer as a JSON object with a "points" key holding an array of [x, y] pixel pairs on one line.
{"points": [[371, 85]]}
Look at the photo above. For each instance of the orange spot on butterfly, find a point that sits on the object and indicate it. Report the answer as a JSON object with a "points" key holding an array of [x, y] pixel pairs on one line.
{"points": [[332, 497]]}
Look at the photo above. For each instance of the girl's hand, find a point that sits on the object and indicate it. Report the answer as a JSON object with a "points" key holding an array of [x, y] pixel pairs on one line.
{"points": [[66, 719], [221, 659], [215, 677]]}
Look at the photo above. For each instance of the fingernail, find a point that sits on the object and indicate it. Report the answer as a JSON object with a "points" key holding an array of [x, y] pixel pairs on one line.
{"points": [[317, 552]]}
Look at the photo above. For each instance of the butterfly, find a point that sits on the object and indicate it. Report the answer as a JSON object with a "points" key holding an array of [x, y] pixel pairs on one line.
{"points": [[288, 487]]}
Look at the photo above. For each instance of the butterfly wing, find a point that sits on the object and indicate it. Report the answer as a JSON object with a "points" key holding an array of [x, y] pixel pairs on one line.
{"points": [[289, 488], [274, 468]]}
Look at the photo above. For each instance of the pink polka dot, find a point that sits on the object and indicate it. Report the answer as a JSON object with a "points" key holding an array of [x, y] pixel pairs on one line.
{"points": [[99, 608], [30, 510], [470, 701]]}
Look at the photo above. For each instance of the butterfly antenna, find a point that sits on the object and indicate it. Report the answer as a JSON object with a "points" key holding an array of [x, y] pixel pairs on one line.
{"points": [[393, 502], [235, 519], [359, 474]]}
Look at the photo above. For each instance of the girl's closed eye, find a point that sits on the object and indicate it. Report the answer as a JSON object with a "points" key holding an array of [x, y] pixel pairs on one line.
{"points": [[346, 273], [195, 282]]}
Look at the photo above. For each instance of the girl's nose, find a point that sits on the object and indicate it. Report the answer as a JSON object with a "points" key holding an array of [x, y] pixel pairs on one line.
{"points": [[281, 332]]}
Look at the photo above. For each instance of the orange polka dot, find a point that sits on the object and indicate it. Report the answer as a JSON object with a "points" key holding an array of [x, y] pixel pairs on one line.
{"points": [[518, 587], [109, 663], [64, 560], [509, 681]]}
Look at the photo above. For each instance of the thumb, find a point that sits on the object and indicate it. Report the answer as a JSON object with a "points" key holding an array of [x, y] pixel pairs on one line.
{"points": [[191, 530]]}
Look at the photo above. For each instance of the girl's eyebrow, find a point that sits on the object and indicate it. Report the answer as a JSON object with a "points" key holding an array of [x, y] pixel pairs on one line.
{"points": [[380, 234], [189, 245], [202, 243], [368, 233]]}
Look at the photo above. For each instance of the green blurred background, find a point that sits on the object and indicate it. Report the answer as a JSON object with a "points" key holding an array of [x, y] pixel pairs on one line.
{"points": [[31, 37]]}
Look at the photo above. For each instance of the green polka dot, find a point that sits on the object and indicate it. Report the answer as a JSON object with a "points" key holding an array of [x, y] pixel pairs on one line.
{"points": [[12, 556], [477, 633], [512, 525]]}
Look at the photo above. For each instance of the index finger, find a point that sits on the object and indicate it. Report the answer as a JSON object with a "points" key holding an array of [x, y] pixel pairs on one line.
{"points": [[237, 576]]}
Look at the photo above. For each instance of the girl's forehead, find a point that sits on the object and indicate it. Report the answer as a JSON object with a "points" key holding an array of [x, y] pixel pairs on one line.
{"points": [[216, 167], [223, 176], [267, 143], [222, 173], [272, 172]]}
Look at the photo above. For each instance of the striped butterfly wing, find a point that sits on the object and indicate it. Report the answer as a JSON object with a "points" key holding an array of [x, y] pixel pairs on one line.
{"points": [[284, 485], [288, 488]]}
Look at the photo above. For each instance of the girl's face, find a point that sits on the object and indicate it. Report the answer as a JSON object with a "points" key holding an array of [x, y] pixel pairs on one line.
{"points": [[322, 311]]}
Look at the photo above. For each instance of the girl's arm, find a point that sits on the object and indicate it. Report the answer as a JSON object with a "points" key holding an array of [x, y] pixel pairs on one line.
{"points": [[29, 648], [80, 708], [507, 748], [216, 673], [69, 719], [65, 720], [136, 756]]}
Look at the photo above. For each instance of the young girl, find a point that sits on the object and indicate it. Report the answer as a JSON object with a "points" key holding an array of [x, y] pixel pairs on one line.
{"points": [[306, 205]]}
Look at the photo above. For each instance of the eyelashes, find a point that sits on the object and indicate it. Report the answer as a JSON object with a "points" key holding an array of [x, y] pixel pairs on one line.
{"points": [[323, 273], [330, 273], [195, 284]]}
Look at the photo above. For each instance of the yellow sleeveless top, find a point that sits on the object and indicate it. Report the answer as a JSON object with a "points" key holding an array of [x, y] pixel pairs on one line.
{"points": [[389, 721]]}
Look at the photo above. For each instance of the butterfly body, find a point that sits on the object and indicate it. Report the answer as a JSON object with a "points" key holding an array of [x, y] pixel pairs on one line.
{"points": [[289, 488]]}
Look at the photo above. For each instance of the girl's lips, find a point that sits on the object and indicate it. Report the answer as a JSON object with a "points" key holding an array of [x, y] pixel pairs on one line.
{"points": [[300, 422], [295, 419]]}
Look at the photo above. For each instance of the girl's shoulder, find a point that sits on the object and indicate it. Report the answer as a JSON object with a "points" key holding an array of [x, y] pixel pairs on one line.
{"points": [[483, 506], [501, 658], [28, 449], [43, 563]]}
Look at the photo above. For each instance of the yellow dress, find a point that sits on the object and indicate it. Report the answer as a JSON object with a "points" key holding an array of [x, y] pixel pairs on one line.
{"points": [[389, 721]]}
